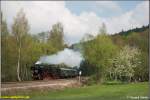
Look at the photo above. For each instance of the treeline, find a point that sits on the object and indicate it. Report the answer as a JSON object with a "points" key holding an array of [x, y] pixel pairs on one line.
{"points": [[20, 49], [106, 57], [143, 28], [116, 57]]}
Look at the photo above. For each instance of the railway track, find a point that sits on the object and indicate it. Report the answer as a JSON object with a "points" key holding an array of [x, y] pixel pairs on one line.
{"points": [[44, 84]]}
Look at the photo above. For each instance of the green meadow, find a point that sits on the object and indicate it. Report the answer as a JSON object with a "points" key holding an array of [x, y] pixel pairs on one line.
{"points": [[96, 92]]}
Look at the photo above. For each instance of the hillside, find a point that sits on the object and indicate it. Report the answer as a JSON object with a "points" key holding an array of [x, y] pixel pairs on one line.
{"points": [[121, 38], [138, 30], [138, 37]]}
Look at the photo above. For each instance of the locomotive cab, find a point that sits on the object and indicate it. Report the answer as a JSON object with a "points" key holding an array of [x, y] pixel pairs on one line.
{"points": [[41, 71]]}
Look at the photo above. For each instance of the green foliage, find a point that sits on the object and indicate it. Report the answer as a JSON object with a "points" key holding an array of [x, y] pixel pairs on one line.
{"points": [[94, 52], [20, 30], [98, 51], [142, 71], [137, 30], [4, 28], [103, 29], [118, 40], [138, 38], [21, 50], [124, 62], [20, 47], [8, 52], [8, 59], [20, 26], [141, 40], [56, 37]]}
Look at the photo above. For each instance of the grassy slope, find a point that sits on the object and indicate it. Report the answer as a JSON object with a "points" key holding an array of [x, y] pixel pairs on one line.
{"points": [[96, 92]]}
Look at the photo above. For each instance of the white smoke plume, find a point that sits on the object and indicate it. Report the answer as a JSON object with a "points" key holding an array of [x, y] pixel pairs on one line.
{"points": [[67, 56]]}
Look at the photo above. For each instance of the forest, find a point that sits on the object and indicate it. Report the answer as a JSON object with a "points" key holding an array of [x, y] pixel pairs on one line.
{"points": [[122, 56]]}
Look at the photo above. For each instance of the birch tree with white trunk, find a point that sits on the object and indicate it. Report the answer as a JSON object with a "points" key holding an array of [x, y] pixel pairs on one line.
{"points": [[20, 28]]}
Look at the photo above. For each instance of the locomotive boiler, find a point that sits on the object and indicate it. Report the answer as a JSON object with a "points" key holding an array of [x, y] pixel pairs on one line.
{"points": [[52, 71]]}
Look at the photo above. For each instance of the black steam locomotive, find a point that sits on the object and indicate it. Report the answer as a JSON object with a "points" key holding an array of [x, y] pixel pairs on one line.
{"points": [[42, 71]]}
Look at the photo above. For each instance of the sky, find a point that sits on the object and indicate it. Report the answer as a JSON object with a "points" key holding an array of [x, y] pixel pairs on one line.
{"points": [[79, 17]]}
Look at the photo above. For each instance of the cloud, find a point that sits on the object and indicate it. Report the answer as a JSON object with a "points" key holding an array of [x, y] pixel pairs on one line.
{"points": [[108, 6], [43, 14], [131, 19]]}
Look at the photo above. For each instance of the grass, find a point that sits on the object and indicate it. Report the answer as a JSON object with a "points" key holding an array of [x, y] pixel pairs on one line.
{"points": [[95, 92]]}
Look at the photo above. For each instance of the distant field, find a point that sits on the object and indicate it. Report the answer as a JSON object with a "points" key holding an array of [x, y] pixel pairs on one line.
{"points": [[95, 92]]}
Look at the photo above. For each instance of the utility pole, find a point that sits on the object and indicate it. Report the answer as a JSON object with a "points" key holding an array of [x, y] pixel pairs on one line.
{"points": [[80, 76]]}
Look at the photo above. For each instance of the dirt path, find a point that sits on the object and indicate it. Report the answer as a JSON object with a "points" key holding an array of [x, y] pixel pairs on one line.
{"points": [[47, 84]]}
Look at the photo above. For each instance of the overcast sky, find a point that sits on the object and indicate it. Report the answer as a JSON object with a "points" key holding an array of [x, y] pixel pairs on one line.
{"points": [[79, 17]]}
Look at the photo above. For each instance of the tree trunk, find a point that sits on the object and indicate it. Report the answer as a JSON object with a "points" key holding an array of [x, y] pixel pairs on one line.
{"points": [[130, 79], [18, 65], [26, 75], [97, 76], [115, 77], [110, 75]]}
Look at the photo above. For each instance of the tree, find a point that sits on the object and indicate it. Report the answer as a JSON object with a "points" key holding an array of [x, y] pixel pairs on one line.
{"points": [[4, 47], [97, 52], [118, 40], [4, 28], [87, 37], [141, 41], [43, 36], [56, 37], [125, 62], [103, 29], [20, 28], [4, 36]]}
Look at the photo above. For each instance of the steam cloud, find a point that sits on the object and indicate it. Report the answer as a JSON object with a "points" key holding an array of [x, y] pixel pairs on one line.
{"points": [[67, 56]]}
